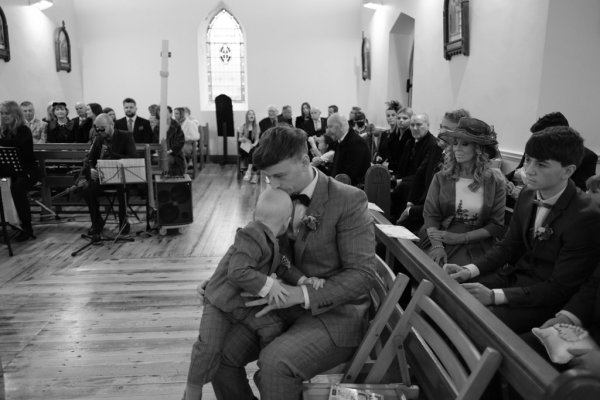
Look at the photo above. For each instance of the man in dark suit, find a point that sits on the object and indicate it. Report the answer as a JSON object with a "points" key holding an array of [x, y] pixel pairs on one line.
{"points": [[331, 236], [81, 124], [317, 126], [551, 246], [270, 121], [131, 122], [286, 115], [416, 155], [109, 144], [352, 153]]}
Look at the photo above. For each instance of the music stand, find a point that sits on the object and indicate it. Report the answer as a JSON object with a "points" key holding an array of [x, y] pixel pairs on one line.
{"points": [[122, 172], [10, 166]]}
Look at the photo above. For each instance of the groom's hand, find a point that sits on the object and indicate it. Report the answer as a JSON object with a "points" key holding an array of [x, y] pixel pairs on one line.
{"points": [[295, 296]]}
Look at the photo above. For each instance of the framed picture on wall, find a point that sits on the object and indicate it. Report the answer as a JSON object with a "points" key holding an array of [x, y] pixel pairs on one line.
{"points": [[62, 45], [4, 44], [456, 28], [366, 58]]}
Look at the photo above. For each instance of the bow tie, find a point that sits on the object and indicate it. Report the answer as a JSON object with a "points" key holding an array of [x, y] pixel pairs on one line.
{"points": [[302, 198], [540, 203]]}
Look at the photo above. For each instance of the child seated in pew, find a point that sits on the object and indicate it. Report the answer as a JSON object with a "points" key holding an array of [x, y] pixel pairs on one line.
{"points": [[552, 244], [246, 267]]}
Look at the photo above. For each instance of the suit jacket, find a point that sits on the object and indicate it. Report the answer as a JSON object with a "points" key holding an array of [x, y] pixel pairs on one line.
{"points": [[81, 132], [585, 304], [547, 271], [341, 250], [142, 131], [253, 256], [265, 124], [422, 180], [301, 122], [351, 158], [120, 146], [397, 140], [440, 205], [416, 155], [309, 128], [379, 148], [586, 169]]}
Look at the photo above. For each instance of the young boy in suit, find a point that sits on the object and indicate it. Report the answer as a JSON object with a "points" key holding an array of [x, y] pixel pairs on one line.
{"points": [[551, 246], [246, 267]]}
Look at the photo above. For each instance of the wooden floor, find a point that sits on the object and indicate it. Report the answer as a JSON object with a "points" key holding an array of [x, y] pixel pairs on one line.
{"points": [[118, 321]]}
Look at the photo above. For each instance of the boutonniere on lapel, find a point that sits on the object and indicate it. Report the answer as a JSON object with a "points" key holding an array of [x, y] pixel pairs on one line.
{"points": [[543, 233], [311, 222]]}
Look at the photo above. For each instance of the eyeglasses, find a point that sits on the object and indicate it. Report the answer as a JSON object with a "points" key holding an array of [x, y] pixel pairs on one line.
{"points": [[100, 129]]}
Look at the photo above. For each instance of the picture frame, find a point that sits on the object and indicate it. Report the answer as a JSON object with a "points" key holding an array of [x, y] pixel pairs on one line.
{"points": [[4, 43], [456, 28], [62, 45], [365, 51]]}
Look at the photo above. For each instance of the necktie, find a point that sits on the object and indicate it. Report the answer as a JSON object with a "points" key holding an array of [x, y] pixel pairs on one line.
{"points": [[129, 124], [302, 198], [540, 203]]}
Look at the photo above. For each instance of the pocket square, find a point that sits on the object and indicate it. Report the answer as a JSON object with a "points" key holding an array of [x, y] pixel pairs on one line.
{"points": [[560, 338]]}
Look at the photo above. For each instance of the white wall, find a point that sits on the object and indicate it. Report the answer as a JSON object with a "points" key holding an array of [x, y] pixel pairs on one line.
{"points": [[526, 58], [31, 73], [298, 50]]}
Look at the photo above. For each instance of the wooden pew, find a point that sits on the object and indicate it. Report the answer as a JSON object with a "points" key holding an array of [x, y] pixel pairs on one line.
{"points": [[522, 368]]}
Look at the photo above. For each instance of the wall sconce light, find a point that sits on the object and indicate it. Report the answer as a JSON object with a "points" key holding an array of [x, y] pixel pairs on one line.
{"points": [[41, 4], [373, 4]]}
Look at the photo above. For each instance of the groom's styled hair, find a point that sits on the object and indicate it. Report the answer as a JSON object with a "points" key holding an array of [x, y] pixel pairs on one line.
{"points": [[278, 144]]}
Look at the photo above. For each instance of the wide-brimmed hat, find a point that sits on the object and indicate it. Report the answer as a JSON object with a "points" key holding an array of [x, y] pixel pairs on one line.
{"points": [[476, 131], [59, 103]]}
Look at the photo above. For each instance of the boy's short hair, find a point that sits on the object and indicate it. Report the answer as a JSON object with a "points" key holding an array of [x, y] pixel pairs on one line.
{"points": [[558, 143], [555, 118], [278, 144]]}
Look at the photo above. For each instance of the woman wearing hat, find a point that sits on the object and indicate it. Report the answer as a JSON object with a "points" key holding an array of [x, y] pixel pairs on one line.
{"points": [[60, 130], [464, 208]]}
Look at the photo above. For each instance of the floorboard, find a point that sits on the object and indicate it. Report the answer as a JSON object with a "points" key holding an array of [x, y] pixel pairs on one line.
{"points": [[117, 321]]}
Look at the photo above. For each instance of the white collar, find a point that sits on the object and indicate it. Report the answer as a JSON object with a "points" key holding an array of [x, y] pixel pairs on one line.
{"points": [[310, 188], [552, 200]]}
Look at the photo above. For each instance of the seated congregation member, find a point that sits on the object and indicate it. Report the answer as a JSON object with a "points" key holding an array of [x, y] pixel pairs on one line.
{"points": [[175, 140], [361, 126], [153, 121], [35, 125], [332, 238], [190, 133], [111, 113], [412, 216], [248, 134], [60, 130], [270, 121], [14, 133], [352, 115], [464, 208], [131, 122], [49, 114], [304, 117], [286, 115], [397, 139], [109, 144], [322, 149], [249, 265], [586, 169], [550, 248], [92, 110], [351, 154], [418, 150], [377, 140], [317, 126], [81, 124], [332, 109]]}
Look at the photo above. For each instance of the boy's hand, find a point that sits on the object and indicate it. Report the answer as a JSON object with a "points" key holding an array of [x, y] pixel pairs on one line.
{"points": [[317, 283], [278, 294]]}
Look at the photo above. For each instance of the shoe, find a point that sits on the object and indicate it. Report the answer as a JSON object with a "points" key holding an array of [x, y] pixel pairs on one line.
{"points": [[254, 179]]}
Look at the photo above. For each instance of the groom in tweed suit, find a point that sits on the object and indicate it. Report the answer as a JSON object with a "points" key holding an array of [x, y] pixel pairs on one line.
{"points": [[332, 238]]}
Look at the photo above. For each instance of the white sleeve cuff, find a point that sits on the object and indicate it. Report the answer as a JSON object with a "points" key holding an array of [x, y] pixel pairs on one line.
{"points": [[571, 316], [302, 278], [472, 269], [306, 301], [499, 297], [265, 289]]}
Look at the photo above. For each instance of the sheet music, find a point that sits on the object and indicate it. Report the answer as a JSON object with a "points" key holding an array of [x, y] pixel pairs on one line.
{"points": [[375, 207], [397, 231], [109, 171], [246, 146]]}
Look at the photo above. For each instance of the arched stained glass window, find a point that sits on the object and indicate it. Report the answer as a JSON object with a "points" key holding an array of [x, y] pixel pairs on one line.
{"points": [[226, 59]]}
